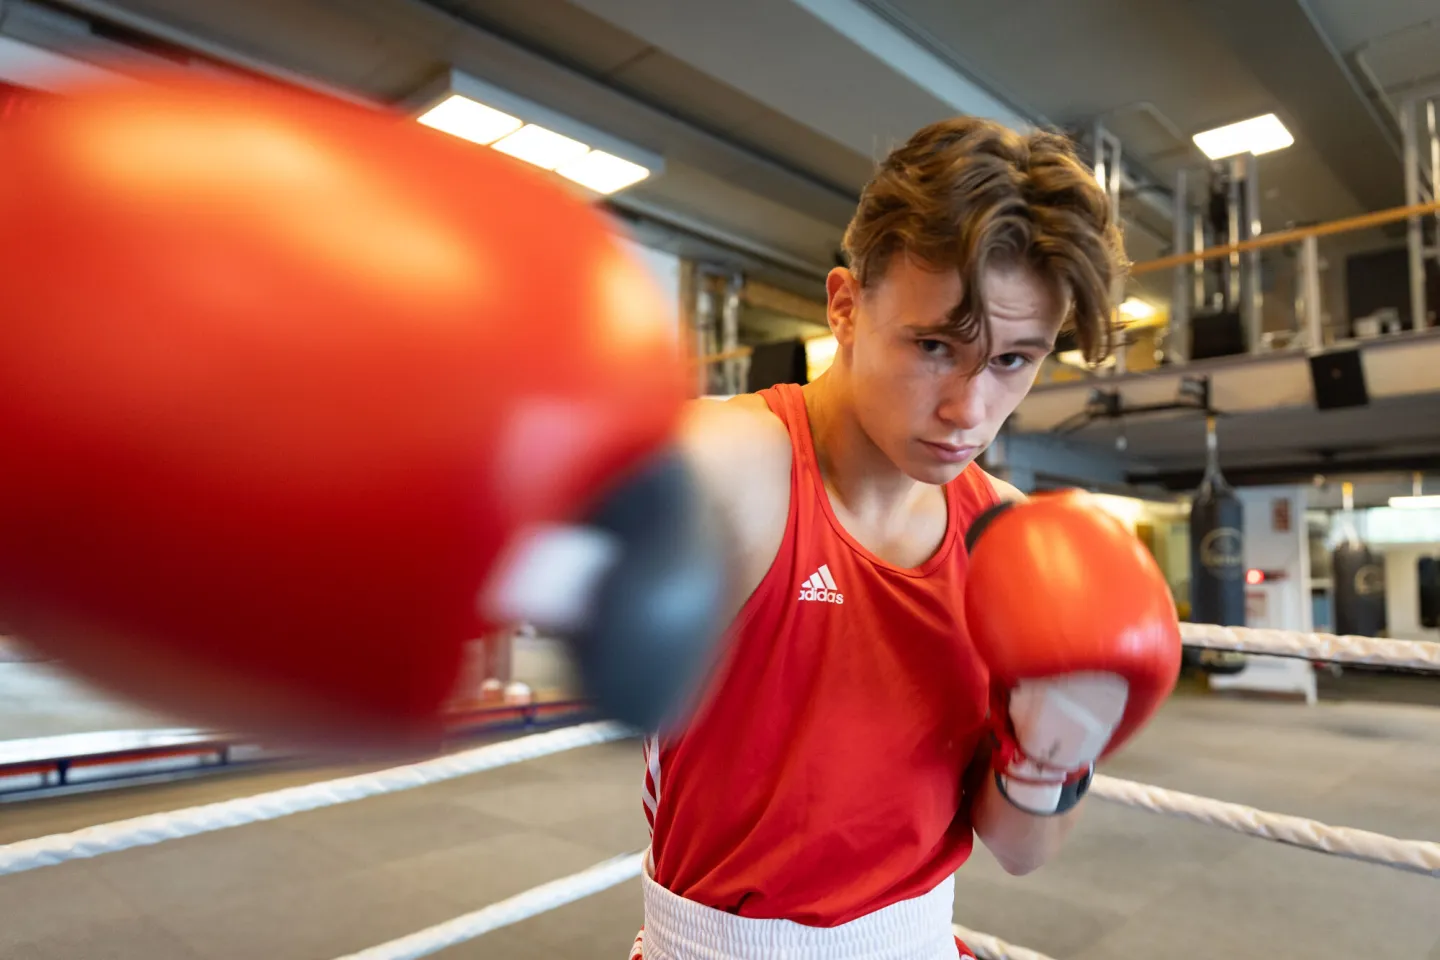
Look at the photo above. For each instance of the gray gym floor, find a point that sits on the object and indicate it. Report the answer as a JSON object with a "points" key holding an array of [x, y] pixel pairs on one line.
{"points": [[1129, 885]]}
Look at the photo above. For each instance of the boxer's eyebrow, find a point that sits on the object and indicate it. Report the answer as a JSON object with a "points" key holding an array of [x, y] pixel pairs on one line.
{"points": [[943, 328], [946, 328]]}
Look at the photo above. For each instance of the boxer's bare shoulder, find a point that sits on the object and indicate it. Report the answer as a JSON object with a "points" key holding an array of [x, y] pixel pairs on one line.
{"points": [[741, 453], [1006, 491]]}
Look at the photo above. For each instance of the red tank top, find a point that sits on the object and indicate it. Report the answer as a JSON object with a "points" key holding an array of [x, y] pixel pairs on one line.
{"points": [[822, 779]]}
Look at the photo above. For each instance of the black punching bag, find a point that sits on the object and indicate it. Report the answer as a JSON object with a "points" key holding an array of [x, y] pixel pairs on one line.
{"points": [[1359, 574], [1217, 546], [1428, 570]]}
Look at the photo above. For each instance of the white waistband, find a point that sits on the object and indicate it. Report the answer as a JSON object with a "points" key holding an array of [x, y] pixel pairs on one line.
{"points": [[916, 929]]}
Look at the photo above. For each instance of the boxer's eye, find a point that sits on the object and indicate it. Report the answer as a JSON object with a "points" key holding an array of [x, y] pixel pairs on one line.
{"points": [[938, 349], [1010, 362]]}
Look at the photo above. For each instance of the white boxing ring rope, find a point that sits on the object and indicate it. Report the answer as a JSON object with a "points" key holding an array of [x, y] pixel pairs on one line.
{"points": [[1415, 856], [986, 947], [1410, 855], [1419, 655], [158, 827], [558, 893], [531, 903]]}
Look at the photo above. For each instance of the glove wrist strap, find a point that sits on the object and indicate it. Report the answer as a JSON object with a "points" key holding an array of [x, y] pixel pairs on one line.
{"points": [[1071, 792]]}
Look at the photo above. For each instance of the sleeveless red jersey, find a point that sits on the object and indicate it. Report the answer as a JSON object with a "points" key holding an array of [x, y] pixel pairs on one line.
{"points": [[824, 777]]}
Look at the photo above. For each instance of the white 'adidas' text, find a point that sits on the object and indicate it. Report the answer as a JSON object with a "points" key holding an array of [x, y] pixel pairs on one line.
{"points": [[820, 587]]}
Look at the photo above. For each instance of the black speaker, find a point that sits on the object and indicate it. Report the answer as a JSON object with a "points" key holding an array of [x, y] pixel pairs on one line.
{"points": [[1429, 576], [782, 362], [1220, 334], [1381, 279], [1338, 378]]}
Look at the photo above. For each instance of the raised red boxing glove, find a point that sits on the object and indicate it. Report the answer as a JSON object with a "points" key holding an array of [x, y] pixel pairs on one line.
{"points": [[285, 383], [1079, 631]]}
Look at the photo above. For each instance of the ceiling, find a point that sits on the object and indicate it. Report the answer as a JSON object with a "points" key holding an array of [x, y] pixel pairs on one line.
{"points": [[771, 113], [1157, 72]]}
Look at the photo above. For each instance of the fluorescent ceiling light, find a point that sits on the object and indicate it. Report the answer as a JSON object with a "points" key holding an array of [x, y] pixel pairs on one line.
{"points": [[544, 148], [1257, 135], [1136, 309], [603, 172], [1431, 502], [469, 120], [468, 107]]}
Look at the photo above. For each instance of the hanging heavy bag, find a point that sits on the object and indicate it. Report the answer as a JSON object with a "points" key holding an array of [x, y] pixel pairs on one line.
{"points": [[1217, 546], [1359, 590]]}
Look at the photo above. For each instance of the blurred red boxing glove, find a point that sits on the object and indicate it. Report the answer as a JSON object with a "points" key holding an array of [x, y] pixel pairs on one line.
{"points": [[299, 397], [1079, 630]]}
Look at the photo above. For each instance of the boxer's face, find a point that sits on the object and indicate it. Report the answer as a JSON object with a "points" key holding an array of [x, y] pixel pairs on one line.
{"points": [[928, 400]]}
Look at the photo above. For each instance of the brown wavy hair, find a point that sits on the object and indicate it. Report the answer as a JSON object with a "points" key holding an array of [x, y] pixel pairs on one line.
{"points": [[968, 194]]}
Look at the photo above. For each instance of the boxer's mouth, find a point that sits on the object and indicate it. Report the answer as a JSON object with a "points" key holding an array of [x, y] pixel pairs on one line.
{"points": [[952, 452]]}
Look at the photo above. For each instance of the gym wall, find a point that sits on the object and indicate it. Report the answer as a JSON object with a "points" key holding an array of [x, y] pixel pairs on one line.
{"points": [[665, 268], [1277, 542], [1402, 590]]}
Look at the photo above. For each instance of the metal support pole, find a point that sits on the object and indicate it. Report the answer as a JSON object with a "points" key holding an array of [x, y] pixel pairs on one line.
{"points": [[1107, 154], [1422, 320], [1201, 299], [1099, 157], [1177, 342], [1310, 292], [706, 342], [1112, 171], [1414, 234], [1234, 221], [1107, 166], [734, 371], [1250, 297], [1433, 138]]}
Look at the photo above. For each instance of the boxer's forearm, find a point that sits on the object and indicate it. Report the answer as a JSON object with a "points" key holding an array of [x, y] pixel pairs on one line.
{"points": [[1020, 841]]}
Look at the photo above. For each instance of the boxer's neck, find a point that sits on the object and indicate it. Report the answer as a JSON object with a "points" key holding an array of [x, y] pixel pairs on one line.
{"points": [[859, 477]]}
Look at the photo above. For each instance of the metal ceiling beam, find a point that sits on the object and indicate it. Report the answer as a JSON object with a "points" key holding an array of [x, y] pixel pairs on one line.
{"points": [[564, 88], [886, 33], [180, 40], [833, 65], [854, 71], [1297, 471], [872, 28], [1282, 43], [507, 63], [705, 241]]}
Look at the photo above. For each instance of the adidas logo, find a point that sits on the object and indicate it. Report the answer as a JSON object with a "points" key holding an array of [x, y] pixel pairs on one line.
{"points": [[820, 586]]}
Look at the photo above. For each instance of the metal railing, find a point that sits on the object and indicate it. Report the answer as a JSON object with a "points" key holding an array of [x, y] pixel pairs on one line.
{"points": [[47, 764], [1281, 238], [1308, 329]]}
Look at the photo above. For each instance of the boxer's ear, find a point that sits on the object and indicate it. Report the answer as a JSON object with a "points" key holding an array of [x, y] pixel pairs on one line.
{"points": [[843, 292]]}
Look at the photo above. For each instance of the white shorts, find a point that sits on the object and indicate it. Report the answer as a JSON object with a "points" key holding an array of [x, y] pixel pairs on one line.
{"points": [[680, 929]]}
